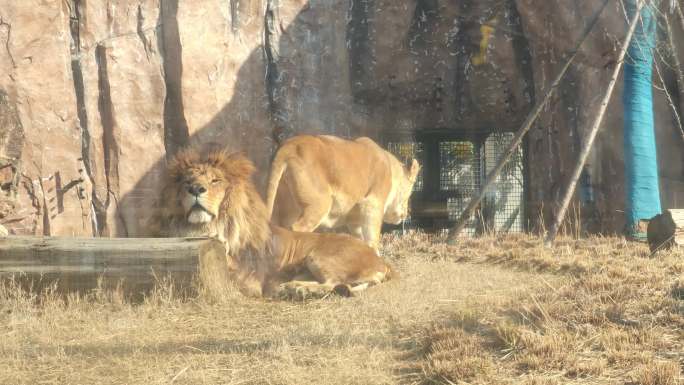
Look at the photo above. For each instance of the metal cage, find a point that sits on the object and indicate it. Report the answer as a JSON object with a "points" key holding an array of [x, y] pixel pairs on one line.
{"points": [[454, 166]]}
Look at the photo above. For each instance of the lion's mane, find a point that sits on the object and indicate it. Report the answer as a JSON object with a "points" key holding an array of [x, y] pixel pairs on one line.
{"points": [[242, 223]]}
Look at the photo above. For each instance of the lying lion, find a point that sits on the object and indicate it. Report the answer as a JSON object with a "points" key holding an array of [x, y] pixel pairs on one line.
{"points": [[213, 195], [328, 182]]}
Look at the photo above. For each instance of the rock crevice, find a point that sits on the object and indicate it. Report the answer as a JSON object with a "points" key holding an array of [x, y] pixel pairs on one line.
{"points": [[176, 133]]}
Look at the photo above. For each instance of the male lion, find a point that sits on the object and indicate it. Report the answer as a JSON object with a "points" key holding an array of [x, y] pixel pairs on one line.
{"points": [[331, 182], [212, 195]]}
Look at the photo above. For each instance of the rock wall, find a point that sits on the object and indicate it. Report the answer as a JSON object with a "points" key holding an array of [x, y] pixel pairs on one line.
{"points": [[39, 105], [96, 94]]}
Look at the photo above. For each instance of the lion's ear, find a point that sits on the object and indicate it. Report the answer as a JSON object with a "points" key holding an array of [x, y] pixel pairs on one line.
{"points": [[412, 167]]}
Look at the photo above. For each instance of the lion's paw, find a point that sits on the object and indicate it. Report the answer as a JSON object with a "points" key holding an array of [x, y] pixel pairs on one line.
{"points": [[296, 291], [343, 290]]}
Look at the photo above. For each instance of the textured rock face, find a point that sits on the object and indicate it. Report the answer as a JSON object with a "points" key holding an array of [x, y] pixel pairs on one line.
{"points": [[45, 139], [121, 101], [96, 94], [223, 87]]}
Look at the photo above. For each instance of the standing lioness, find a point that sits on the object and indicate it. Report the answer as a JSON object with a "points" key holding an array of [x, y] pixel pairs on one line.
{"points": [[332, 182]]}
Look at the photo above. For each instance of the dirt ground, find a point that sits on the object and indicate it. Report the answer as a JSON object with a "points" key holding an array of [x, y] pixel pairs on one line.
{"points": [[488, 311]]}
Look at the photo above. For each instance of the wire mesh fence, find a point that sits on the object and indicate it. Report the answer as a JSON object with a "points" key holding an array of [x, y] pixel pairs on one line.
{"points": [[459, 172], [503, 206], [453, 170]]}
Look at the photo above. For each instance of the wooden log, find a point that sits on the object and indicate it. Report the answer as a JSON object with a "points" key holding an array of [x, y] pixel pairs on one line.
{"points": [[666, 230], [133, 264]]}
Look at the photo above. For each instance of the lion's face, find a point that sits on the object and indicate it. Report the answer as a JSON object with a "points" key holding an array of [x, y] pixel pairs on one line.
{"points": [[202, 189], [210, 194], [398, 209], [198, 185]]}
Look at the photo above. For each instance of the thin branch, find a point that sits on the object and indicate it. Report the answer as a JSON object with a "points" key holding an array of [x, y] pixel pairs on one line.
{"points": [[517, 139], [586, 149], [677, 70], [669, 99]]}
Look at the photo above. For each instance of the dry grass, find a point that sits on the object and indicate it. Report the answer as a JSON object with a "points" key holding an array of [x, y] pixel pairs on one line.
{"points": [[489, 311], [613, 314]]}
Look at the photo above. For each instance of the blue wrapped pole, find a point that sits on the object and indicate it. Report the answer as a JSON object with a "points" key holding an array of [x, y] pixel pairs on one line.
{"points": [[641, 164]]}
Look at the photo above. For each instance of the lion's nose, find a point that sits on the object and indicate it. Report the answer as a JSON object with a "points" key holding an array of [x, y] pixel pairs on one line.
{"points": [[196, 189]]}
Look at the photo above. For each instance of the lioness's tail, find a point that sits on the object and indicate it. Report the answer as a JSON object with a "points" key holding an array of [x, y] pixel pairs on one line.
{"points": [[277, 169]]}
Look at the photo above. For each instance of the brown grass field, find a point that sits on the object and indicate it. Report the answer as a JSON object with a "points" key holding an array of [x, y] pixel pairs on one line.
{"points": [[494, 310]]}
